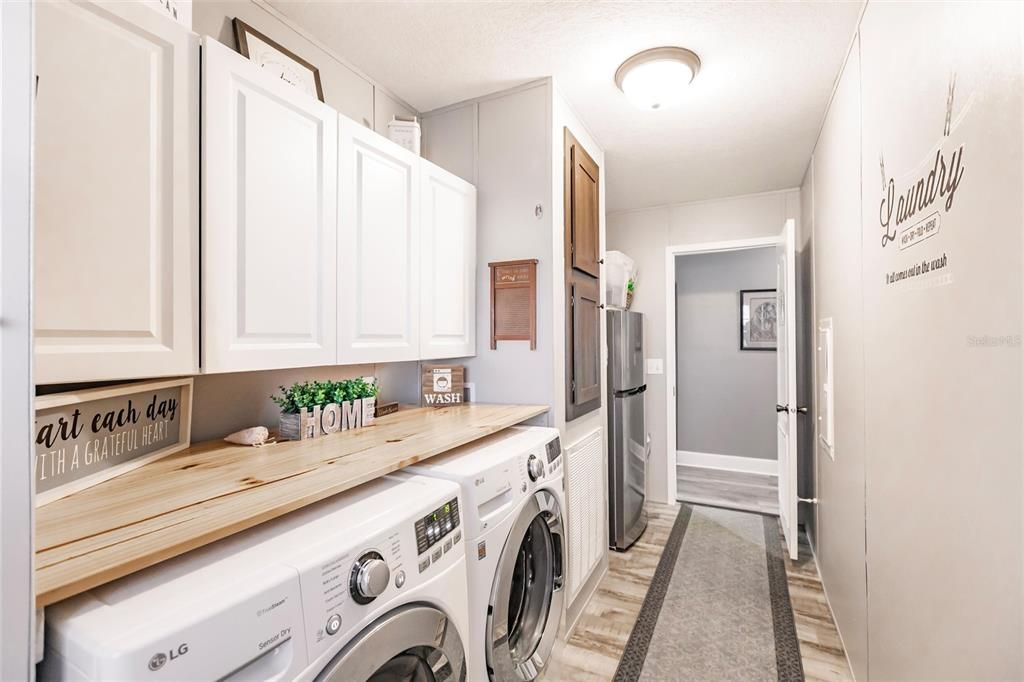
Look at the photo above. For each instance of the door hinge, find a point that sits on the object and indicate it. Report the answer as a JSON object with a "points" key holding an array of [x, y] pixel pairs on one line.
{"points": [[572, 385]]}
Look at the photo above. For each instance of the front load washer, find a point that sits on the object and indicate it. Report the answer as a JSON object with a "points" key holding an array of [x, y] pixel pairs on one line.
{"points": [[514, 501], [367, 585]]}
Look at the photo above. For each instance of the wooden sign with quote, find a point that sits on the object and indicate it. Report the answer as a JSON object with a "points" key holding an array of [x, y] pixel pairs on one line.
{"points": [[514, 302], [86, 437]]}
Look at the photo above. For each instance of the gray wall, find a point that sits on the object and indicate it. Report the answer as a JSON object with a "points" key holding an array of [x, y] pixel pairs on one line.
{"points": [[725, 396], [918, 530], [223, 403], [644, 235]]}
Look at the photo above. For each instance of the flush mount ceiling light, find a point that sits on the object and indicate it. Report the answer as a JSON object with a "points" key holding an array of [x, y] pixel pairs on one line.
{"points": [[656, 78]]}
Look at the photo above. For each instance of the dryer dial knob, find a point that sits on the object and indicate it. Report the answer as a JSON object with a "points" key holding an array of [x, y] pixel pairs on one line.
{"points": [[370, 577], [534, 467]]}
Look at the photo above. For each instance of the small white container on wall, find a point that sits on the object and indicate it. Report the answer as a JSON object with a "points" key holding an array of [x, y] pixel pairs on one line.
{"points": [[618, 270], [405, 132]]}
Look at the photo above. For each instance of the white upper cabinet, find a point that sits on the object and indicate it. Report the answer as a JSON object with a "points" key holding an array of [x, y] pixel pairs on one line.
{"points": [[378, 248], [269, 237], [116, 193], [448, 265]]}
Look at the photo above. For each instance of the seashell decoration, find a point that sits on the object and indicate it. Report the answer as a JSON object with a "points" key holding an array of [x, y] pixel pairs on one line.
{"points": [[254, 435]]}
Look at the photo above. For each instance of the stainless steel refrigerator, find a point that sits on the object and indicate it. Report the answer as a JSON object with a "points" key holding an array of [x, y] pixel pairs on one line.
{"points": [[628, 442]]}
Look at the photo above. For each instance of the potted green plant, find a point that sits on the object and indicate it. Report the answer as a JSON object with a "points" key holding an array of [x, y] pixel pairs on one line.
{"points": [[315, 408]]}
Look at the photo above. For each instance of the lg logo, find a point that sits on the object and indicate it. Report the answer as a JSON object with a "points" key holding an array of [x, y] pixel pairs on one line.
{"points": [[160, 659]]}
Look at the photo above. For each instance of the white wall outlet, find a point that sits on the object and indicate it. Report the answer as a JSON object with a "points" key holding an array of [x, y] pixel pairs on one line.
{"points": [[655, 366]]}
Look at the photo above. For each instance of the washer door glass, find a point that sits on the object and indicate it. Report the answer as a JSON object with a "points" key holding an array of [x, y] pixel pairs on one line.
{"points": [[411, 666], [526, 598], [415, 643], [530, 597]]}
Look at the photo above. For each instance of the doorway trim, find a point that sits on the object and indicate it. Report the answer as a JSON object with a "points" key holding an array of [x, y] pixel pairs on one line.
{"points": [[17, 602], [670, 334]]}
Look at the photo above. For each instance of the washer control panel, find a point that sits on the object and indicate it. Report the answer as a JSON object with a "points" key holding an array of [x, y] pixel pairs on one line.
{"points": [[553, 450], [437, 525]]}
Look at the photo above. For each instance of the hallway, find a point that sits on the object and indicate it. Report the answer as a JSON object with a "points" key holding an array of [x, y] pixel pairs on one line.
{"points": [[731, 489], [593, 651]]}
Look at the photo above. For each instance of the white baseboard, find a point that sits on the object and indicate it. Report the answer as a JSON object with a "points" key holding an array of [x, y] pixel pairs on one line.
{"points": [[748, 465]]}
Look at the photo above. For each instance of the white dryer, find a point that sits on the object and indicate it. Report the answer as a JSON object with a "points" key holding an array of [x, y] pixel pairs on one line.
{"points": [[515, 537], [368, 585]]}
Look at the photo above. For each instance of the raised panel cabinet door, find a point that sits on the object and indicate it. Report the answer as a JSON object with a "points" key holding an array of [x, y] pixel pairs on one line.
{"points": [[116, 193], [378, 248], [582, 208], [448, 265], [585, 378], [269, 220]]}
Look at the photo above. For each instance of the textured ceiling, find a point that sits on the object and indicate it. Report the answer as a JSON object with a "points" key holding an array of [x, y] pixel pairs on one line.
{"points": [[749, 120]]}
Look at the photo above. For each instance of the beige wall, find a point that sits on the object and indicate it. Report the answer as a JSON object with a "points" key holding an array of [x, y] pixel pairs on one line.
{"points": [[348, 91], [644, 235], [918, 530]]}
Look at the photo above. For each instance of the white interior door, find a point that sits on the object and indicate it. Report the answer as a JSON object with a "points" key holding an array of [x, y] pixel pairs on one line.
{"points": [[785, 406]]}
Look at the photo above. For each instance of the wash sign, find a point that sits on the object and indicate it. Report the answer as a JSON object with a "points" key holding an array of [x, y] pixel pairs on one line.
{"points": [[443, 385]]}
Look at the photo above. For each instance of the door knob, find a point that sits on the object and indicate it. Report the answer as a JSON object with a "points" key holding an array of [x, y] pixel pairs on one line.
{"points": [[781, 408], [801, 410]]}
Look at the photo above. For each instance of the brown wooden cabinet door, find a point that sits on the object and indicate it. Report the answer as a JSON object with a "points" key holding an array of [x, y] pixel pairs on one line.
{"points": [[582, 208], [584, 369]]}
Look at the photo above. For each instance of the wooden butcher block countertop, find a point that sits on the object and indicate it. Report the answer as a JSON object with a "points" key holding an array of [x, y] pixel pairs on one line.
{"points": [[214, 489]]}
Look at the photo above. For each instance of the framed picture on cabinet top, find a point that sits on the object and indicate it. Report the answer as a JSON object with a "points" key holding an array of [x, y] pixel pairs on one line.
{"points": [[759, 329], [278, 60]]}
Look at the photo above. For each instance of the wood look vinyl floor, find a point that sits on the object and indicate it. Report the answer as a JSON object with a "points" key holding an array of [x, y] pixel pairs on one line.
{"points": [[729, 489], [592, 652]]}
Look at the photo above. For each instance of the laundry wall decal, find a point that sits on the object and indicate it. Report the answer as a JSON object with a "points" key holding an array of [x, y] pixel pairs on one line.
{"points": [[937, 186]]}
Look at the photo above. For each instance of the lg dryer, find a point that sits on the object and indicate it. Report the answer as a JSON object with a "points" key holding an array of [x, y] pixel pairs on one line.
{"points": [[514, 505]]}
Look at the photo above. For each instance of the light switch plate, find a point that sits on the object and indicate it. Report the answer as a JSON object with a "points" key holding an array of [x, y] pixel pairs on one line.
{"points": [[655, 366]]}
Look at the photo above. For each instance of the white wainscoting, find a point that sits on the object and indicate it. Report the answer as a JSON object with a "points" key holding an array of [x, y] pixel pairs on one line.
{"points": [[587, 505], [727, 462]]}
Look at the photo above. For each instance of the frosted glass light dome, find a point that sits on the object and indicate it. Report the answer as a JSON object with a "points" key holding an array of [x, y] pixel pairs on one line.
{"points": [[657, 78]]}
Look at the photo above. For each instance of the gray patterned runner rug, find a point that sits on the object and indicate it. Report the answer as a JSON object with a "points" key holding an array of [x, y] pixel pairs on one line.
{"points": [[718, 606]]}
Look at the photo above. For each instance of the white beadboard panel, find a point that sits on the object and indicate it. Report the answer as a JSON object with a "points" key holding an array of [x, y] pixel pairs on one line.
{"points": [[585, 498]]}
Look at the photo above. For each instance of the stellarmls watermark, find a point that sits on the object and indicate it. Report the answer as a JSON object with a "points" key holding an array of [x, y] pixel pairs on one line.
{"points": [[994, 341]]}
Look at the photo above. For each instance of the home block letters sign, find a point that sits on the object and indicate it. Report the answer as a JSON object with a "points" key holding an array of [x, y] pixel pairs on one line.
{"points": [[86, 437]]}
